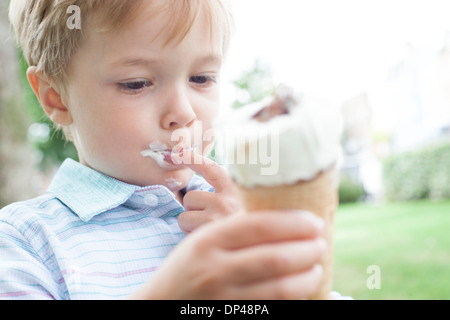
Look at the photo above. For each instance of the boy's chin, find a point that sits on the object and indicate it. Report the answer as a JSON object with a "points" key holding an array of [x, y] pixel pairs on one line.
{"points": [[177, 180]]}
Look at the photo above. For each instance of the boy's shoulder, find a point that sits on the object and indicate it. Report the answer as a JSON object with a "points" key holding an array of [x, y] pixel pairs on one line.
{"points": [[21, 213]]}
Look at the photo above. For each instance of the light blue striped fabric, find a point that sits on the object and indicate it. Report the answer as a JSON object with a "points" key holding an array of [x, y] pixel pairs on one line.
{"points": [[89, 237]]}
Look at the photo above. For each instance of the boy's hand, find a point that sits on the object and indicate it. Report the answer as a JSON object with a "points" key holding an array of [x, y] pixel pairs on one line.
{"points": [[271, 255], [202, 207]]}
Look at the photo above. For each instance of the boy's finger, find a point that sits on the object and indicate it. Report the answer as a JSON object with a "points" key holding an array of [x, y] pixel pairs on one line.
{"points": [[239, 231], [277, 260], [293, 287], [199, 200], [191, 220], [214, 174]]}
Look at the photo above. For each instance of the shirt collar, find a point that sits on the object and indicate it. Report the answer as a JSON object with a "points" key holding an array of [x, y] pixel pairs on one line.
{"points": [[88, 192]]}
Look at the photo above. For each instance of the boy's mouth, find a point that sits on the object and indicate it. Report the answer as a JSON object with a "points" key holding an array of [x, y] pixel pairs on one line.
{"points": [[166, 157]]}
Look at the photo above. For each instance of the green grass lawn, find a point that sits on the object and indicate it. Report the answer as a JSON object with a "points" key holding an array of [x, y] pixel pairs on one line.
{"points": [[408, 242]]}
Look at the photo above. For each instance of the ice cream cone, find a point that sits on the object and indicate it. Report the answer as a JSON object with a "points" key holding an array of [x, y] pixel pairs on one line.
{"points": [[283, 153], [318, 196]]}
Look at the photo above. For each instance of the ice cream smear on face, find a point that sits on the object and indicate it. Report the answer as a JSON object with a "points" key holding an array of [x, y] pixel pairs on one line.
{"points": [[173, 183], [164, 155], [297, 134]]}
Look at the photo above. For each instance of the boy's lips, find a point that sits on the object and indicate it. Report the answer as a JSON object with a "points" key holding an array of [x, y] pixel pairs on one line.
{"points": [[165, 156], [170, 154]]}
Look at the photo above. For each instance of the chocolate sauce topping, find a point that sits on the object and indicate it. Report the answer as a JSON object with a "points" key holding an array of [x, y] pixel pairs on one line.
{"points": [[279, 106]]}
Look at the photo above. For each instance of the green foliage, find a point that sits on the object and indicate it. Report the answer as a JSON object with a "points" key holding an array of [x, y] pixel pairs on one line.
{"points": [[421, 174], [53, 147], [13, 122], [253, 85], [350, 190]]}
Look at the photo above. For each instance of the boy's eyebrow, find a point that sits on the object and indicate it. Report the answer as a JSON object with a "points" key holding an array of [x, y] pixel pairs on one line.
{"points": [[139, 61], [134, 61]]}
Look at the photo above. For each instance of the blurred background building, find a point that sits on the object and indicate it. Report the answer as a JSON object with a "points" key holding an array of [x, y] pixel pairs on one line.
{"points": [[415, 99]]}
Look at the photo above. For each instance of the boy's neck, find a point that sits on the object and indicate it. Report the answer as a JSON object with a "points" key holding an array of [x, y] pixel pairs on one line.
{"points": [[179, 195]]}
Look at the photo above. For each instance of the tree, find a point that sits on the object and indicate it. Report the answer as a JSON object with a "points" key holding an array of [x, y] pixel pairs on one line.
{"points": [[253, 85]]}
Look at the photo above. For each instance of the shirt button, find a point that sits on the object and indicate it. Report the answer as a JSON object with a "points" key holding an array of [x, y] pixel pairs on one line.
{"points": [[151, 199]]}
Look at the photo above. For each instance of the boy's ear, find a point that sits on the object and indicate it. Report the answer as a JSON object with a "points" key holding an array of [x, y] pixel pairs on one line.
{"points": [[49, 98]]}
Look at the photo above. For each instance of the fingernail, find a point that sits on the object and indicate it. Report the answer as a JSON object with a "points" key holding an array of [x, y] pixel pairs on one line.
{"points": [[316, 220], [318, 268], [323, 245]]}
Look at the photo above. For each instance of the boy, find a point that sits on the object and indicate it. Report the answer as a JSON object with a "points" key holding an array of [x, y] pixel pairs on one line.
{"points": [[134, 75]]}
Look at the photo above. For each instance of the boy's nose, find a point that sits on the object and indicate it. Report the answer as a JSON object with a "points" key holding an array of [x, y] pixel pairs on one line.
{"points": [[178, 111]]}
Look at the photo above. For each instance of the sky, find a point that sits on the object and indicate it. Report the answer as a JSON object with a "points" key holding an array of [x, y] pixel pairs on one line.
{"points": [[335, 47]]}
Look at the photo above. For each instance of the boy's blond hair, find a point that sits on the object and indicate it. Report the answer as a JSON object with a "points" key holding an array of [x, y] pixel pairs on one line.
{"points": [[48, 43]]}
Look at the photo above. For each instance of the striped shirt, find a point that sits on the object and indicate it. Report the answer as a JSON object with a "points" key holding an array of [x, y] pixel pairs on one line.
{"points": [[89, 237]]}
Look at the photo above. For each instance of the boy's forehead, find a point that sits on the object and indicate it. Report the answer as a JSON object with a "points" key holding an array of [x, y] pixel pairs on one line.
{"points": [[143, 42], [171, 21], [128, 45]]}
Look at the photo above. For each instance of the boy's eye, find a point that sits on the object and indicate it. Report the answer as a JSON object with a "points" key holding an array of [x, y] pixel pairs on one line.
{"points": [[135, 86], [202, 80]]}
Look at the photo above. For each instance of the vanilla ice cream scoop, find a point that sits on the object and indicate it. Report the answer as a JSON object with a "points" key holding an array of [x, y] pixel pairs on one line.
{"points": [[281, 140]]}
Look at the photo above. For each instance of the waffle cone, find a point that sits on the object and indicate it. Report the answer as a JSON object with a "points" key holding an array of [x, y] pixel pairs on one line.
{"points": [[318, 196]]}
